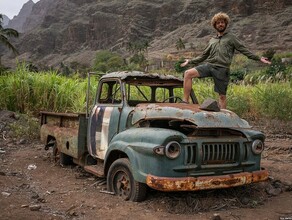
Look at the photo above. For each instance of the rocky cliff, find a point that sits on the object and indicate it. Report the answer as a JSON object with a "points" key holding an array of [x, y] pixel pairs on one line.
{"points": [[18, 21], [5, 21], [73, 30]]}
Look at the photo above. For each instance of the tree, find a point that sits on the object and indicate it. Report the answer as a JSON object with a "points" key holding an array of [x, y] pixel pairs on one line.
{"points": [[180, 44], [269, 53], [5, 33], [108, 61], [138, 50], [138, 47]]}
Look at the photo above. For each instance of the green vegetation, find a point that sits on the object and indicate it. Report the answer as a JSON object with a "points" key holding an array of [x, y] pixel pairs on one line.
{"points": [[180, 69], [28, 92], [106, 61], [269, 53], [180, 44], [138, 50], [25, 127], [265, 99], [256, 90]]}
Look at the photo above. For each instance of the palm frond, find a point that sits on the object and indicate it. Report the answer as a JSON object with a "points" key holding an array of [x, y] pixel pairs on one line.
{"points": [[10, 32], [4, 40]]}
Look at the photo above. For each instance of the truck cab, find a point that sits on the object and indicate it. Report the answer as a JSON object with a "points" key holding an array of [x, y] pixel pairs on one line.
{"points": [[138, 134]]}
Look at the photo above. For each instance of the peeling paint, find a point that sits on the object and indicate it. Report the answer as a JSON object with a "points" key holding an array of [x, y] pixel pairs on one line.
{"points": [[188, 112]]}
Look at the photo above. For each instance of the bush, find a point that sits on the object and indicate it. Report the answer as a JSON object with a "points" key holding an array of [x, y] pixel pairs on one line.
{"points": [[138, 59], [106, 61], [277, 71], [276, 67], [237, 75], [178, 68], [26, 127], [269, 53]]}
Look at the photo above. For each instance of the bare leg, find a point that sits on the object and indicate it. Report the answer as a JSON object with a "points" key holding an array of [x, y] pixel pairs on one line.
{"points": [[188, 76], [222, 101]]}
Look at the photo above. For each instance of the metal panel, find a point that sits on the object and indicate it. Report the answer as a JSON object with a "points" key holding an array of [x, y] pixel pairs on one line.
{"points": [[208, 182], [219, 153], [190, 154], [188, 112]]}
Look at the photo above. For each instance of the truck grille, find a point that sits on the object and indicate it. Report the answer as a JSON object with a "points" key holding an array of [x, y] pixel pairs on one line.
{"points": [[214, 153], [220, 153], [191, 154]]}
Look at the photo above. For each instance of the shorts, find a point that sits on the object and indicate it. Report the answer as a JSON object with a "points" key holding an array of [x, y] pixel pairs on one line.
{"points": [[220, 76]]}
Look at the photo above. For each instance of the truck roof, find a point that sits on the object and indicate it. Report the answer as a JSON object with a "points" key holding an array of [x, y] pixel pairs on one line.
{"points": [[127, 75]]}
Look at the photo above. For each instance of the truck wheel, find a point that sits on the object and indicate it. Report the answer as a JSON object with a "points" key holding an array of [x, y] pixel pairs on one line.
{"points": [[63, 158], [121, 181]]}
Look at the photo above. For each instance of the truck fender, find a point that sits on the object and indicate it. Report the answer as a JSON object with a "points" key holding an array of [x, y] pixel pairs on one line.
{"points": [[135, 145]]}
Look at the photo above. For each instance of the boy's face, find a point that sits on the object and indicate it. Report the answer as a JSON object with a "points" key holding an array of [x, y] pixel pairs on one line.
{"points": [[220, 25]]}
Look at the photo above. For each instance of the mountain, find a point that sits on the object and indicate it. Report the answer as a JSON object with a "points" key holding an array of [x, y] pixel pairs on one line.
{"points": [[5, 21], [73, 30], [18, 21]]}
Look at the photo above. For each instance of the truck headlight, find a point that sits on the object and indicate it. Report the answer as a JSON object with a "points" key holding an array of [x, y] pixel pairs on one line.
{"points": [[257, 146], [172, 149]]}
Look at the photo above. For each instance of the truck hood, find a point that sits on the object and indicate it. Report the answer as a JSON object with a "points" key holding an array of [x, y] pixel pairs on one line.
{"points": [[188, 112]]}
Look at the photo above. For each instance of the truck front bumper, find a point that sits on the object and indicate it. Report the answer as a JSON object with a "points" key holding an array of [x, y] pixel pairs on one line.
{"points": [[206, 182]]}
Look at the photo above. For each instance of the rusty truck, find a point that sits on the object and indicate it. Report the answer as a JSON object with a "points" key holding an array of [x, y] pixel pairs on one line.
{"points": [[139, 135]]}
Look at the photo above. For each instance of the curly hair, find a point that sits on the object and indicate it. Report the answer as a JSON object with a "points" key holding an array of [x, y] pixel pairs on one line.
{"points": [[220, 16]]}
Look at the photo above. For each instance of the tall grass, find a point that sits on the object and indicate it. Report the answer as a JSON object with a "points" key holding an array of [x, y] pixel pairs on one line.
{"points": [[273, 99], [239, 100], [204, 88], [264, 99], [27, 92]]}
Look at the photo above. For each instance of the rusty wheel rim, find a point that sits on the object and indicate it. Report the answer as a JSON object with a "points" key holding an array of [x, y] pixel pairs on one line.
{"points": [[56, 156], [122, 185]]}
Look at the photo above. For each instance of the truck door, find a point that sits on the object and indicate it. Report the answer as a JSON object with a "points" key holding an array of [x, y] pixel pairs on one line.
{"points": [[104, 117]]}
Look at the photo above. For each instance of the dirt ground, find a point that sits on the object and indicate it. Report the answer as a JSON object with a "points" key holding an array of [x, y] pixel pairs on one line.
{"points": [[32, 186]]}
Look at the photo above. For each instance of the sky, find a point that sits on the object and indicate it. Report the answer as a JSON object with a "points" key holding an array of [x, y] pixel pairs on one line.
{"points": [[11, 8]]}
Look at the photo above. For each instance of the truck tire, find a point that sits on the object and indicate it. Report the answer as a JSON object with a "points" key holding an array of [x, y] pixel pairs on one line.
{"points": [[64, 159], [120, 180]]}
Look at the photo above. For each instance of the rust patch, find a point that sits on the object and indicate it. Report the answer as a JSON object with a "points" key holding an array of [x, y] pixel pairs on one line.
{"points": [[191, 107], [201, 183], [67, 138], [228, 182]]}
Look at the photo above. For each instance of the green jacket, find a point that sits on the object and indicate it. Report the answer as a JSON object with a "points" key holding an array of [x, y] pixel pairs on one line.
{"points": [[220, 51]]}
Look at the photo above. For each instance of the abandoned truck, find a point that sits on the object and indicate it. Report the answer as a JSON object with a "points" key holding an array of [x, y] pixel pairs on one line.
{"points": [[138, 135]]}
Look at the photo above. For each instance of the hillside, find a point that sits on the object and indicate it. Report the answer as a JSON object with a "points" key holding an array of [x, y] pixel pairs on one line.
{"points": [[70, 30]]}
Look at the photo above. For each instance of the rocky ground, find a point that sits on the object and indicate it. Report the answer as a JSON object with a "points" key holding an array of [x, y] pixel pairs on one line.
{"points": [[33, 186]]}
